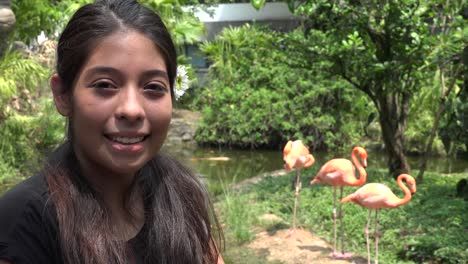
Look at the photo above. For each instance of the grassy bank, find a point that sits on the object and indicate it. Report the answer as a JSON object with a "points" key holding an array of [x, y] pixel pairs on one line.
{"points": [[431, 228]]}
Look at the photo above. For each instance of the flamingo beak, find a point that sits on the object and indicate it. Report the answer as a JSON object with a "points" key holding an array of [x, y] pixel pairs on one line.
{"points": [[364, 163]]}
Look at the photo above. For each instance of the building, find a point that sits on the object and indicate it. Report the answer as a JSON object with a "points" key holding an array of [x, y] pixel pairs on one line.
{"points": [[276, 15]]}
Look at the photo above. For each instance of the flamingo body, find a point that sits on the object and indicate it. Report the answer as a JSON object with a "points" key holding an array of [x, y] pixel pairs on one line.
{"points": [[375, 196], [378, 196], [340, 172], [336, 172], [296, 155]]}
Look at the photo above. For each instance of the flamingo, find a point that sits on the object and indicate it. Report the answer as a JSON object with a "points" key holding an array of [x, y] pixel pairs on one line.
{"points": [[297, 156], [375, 196], [340, 172]]}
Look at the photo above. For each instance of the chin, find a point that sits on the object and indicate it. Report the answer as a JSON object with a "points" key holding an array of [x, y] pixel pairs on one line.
{"points": [[127, 169]]}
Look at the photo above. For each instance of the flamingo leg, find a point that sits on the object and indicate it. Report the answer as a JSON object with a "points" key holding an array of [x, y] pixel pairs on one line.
{"points": [[334, 221], [376, 238], [367, 236], [340, 214], [296, 196]]}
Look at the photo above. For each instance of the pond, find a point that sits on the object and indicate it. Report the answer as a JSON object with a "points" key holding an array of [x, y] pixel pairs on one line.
{"points": [[230, 166]]}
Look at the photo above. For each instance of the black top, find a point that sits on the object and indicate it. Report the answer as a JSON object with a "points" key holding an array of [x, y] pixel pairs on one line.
{"points": [[29, 226]]}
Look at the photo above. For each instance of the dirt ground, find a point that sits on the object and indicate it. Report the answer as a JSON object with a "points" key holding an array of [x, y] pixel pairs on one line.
{"points": [[299, 247]]}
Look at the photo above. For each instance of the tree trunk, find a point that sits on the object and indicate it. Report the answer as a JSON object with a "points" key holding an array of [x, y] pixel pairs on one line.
{"points": [[392, 117]]}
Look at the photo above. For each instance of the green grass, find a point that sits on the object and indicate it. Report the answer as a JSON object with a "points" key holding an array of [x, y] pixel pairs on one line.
{"points": [[431, 228]]}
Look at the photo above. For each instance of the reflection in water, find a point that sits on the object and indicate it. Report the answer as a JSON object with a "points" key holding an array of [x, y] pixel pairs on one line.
{"points": [[236, 165]]}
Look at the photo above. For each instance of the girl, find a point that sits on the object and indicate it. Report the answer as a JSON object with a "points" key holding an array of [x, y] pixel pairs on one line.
{"points": [[106, 195]]}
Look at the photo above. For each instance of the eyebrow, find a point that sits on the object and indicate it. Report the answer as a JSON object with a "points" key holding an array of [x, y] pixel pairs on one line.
{"points": [[109, 70]]}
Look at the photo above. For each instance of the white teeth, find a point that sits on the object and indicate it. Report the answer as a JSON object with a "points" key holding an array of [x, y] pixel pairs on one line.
{"points": [[125, 140]]}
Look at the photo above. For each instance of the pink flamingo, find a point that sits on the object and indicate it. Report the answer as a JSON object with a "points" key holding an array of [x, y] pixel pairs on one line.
{"points": [[340, 172], [375, 196], [296, 155]]}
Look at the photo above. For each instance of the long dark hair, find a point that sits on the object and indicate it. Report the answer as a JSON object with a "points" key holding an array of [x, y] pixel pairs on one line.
{"points": [[178, 214]]}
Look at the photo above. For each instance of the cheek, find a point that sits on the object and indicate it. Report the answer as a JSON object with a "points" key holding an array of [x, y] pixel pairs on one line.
{"points": [[88, 115], [160, 117]]}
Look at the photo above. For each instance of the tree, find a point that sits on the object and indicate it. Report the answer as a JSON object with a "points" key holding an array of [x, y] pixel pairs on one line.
{"points": [[447, 56], [381, 48]]}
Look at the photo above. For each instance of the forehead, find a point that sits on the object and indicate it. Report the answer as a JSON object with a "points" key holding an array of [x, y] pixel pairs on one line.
{"points": [[129, 50]]}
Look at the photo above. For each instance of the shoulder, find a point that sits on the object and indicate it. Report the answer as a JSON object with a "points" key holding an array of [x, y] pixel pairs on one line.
{"points": [[29, 194], [27, 221]]}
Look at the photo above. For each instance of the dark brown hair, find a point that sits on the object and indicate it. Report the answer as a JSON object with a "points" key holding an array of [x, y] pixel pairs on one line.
{"points": [[178, 213]]}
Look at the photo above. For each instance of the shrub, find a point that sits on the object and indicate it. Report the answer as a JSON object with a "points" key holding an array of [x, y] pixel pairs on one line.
{"points": [[24, 139], [261, 92]]}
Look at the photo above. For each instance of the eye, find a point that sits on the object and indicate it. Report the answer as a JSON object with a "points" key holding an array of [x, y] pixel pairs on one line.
{"points": [[156, 87], [103, 85]]}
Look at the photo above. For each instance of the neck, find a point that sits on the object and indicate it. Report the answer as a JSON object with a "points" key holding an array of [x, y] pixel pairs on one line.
{"points": [[405, 189], [360, 168], [125, 206], [111, 186]]}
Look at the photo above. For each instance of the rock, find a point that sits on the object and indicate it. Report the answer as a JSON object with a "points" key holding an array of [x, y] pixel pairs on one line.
{"points": [[270, 218], [183, 127], [462, 189], [7, 21]]}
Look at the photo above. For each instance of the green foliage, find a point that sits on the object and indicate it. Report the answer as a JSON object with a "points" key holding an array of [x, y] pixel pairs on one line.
{"points": [[48, 17], [454, 127], [421, 116], [49, 130], [387, 49], [377, 46], [182, 23], [18, 73], [259, 94], [257, 4], [34, 17], [7, 173], [435, 234], [24, 139], [237, 218], [428, 229]]}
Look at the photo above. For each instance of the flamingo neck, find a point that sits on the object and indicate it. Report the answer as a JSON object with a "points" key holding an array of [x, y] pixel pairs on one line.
{"points": [[405, 189], [360, 168]]}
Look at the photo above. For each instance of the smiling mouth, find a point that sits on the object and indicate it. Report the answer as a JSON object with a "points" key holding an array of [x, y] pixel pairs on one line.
{"points": [[127, 140]]}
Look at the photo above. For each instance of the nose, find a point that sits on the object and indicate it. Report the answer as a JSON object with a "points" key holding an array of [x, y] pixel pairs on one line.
{"points": [[130, 106]]}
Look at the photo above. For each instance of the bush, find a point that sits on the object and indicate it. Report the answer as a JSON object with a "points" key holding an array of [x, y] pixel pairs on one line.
{"points": [[24, 139], [261, 92]]}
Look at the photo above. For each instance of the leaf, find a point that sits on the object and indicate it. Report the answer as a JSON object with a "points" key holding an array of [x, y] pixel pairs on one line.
{"points": [[291, 5], [257, 4]]}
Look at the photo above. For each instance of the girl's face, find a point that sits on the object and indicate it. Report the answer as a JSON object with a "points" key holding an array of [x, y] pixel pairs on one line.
{"points": [[121, 105]]}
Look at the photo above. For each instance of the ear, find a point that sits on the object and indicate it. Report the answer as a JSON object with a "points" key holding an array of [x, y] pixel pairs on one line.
{"points": [[62, 99]]}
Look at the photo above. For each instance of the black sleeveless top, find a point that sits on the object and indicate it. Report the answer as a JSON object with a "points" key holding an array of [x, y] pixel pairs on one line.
{"points": [[29, 226]]}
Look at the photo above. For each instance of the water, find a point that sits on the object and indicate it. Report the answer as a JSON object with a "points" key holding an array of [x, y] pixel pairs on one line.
{"points": [[236, 165], [243, 164]]}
